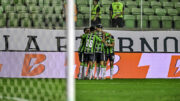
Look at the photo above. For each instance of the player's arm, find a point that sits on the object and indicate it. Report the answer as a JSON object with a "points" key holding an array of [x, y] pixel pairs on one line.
{"points": [[106, 44], [99, 39], [105, 34], [80, 43], [83, 36], [113, 43]]}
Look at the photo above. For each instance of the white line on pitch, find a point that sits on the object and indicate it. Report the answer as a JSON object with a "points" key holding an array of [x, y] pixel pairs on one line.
{"points": [[13, 98]]}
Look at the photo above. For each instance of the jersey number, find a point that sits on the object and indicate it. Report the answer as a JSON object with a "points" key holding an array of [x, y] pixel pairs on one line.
{"points": [[89, 43]]}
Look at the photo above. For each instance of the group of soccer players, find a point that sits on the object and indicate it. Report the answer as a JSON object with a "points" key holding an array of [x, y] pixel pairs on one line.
{"points": [[96, 48]]}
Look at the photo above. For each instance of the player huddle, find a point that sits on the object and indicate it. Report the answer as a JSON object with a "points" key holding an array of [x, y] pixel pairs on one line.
{"points": [[96, 48]]}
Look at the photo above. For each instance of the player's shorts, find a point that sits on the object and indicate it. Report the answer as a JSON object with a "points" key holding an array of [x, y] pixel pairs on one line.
{"points": [[81, 57], [100, 57], [89, 57], [110, 57]]}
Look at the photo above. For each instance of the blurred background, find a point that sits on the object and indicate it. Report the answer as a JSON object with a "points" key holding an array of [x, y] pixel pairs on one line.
{"points": [[51, 14]]}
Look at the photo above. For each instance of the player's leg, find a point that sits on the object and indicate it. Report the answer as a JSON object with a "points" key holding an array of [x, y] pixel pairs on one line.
{"points": [[103, 69], [111, 58], [91, 61], [93, 71], [85, 70], [98, 65], [93, 64], [90, 70], [105, 60], [81, 70], [105, 64], [111, 69], [86, 60], [81, 55], [97, 70]]}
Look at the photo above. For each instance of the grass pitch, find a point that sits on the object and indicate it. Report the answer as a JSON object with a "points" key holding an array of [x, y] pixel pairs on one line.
{"points": [[128, 90], [28, 89]]}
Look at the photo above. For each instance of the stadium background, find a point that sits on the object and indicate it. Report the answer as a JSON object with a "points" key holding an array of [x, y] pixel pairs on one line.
{"points": [[157, 16], [50, 14]]}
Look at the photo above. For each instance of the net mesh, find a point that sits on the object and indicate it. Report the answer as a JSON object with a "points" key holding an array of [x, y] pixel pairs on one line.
{"points": [[15, 89]]}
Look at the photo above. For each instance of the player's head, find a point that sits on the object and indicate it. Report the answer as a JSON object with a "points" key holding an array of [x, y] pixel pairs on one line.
{"points": [[92, 29], [99, 27], [112, 36], [115, 0], [86, 30], [95, 2]]}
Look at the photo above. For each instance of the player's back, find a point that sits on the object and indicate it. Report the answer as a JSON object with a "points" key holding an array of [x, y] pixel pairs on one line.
{"points": [[109, 40], [91, 40], [82, 43], [99, 48]]}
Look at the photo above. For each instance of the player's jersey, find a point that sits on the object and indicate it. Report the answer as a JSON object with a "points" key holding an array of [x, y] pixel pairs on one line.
{"points": [[91, 40], [82, 43], [109, 40], [99, 48]]}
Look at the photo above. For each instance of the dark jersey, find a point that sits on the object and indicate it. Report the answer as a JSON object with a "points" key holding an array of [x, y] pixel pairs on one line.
{"points": [[99, 48], [109, 40], [82, 43], [91, 40]]}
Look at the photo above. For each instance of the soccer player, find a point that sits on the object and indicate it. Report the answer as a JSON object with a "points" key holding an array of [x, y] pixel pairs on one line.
{"points": [[99, 53], [83, 64], [89, 50], [109, 51]]}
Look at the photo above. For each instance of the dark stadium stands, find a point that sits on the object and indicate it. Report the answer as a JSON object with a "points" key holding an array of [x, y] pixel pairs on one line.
{"points": [[31, 13], [157, 14]]}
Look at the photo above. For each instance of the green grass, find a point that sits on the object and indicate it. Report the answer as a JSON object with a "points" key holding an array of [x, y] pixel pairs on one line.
{"points": [[128, 90], [13, 89]]}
